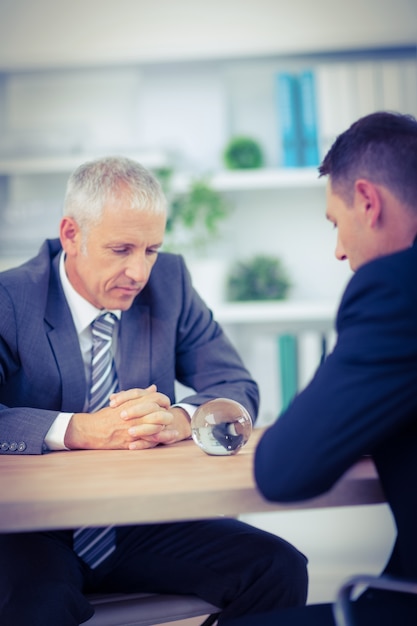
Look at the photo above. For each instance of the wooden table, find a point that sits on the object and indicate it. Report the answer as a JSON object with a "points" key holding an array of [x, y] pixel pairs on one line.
{"points": [[178, 482]]}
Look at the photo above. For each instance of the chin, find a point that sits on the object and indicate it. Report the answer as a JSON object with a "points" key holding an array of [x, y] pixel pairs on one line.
{"points": [[123, 304]]}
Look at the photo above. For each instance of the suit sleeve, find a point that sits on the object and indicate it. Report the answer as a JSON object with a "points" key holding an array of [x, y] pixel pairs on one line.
{"points": [[206, 361], [365, 390], [22, 427]]}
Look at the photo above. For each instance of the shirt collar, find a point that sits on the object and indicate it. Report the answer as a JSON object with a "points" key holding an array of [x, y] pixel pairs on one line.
{"points": [[83, 312]]}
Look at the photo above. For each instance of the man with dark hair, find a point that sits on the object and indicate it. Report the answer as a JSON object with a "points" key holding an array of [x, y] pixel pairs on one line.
{"points": [[363, 398]]}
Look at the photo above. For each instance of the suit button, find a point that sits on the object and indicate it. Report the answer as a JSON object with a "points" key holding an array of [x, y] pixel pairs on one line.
{"points": [[21, 446], [13, 446], [4, 446]]}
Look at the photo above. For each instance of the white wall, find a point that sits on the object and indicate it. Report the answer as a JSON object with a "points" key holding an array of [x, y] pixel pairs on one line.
{"points": [[54, 33]]}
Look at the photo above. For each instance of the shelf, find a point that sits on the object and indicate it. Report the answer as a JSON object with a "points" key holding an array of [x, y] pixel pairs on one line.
{"points": [[282, 316], [259, 179], [66, 164], [224, 181]]}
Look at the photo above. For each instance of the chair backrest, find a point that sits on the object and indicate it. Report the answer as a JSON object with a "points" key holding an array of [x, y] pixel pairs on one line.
{"points": [[146, 609], [404, 614]]}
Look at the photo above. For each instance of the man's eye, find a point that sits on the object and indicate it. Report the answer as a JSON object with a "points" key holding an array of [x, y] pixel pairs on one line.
{"points": [[120, 250]]}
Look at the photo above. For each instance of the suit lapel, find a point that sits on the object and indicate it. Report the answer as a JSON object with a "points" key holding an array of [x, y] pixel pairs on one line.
{"points": [[133, 367], [64, 344]]}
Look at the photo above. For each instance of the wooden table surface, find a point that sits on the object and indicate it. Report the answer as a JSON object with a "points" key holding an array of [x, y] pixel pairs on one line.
{"points": [[178, 482]]}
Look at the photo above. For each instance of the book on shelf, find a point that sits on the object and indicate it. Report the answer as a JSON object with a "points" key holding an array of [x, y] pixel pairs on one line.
{"points": [[297, 119], [288, 368], [308, 116], [287, 104], [346, 91]]}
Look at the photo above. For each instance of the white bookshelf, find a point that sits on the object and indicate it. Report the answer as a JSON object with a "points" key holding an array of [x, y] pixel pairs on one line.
{"points": [[257, 179], [233, 180], [65, 164], [181, 116], [278, 316]]}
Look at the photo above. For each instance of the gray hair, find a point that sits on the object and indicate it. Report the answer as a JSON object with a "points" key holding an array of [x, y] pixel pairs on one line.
{"points": [[110, 179]]}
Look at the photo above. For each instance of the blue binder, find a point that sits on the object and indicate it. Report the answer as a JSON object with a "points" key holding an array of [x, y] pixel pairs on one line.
{"points": [[297, 119], [309, 134], [287, 105], [288, 368]]}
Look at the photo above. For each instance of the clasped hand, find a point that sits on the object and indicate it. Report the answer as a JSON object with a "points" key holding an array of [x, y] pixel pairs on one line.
{"points": [[135, 419]]}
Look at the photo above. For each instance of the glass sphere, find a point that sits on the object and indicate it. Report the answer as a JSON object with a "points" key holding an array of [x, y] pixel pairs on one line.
{"points": [[221, 427]]}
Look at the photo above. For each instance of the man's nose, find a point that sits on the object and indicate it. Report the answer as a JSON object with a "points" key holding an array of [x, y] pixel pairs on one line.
{"points": [[137, 269], [339, 252]]}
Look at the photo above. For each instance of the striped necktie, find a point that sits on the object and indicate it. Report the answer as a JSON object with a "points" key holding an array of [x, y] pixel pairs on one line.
{"points": [[94, 545], [103, 370]]}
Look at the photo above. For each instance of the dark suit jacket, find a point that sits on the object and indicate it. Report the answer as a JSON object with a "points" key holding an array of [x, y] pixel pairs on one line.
{"points": [[363, 399], [167, 334]]}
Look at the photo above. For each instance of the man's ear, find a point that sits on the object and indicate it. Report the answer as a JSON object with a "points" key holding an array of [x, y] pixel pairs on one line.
{"points": [[70, 235], [368, 199]]}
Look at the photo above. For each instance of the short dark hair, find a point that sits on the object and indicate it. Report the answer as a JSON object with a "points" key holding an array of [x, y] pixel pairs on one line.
{"points": [[380, 147]]}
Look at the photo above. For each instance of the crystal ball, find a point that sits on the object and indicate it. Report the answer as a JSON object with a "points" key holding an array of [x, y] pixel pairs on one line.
{"points": [[221, 427]]}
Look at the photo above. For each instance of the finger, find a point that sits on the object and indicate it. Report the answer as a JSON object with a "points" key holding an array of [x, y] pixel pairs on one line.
{"points": [[167, 436], [116, 399], [144, 430], [141, 407], [142, 444], [151, 423], [164, 437]]}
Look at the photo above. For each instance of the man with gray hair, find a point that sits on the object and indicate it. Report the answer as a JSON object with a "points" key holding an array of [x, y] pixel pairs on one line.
{"points": [[94, 332]]}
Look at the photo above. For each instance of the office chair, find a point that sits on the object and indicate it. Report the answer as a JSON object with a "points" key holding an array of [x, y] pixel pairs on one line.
{"points": [[146, 609], [344, 607], [370, 609]]}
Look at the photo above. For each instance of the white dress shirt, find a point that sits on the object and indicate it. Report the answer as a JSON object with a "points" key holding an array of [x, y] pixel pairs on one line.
{"points": [[83, 314]]}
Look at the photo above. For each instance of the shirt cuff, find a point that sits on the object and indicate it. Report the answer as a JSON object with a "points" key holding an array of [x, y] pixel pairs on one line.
{"points": [[190, 409], [54, 439]]}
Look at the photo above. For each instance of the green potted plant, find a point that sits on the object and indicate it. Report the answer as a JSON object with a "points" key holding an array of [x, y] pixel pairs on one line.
{"points": [[194, 216], [243, 153], [262, 277], [193, 230]]}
